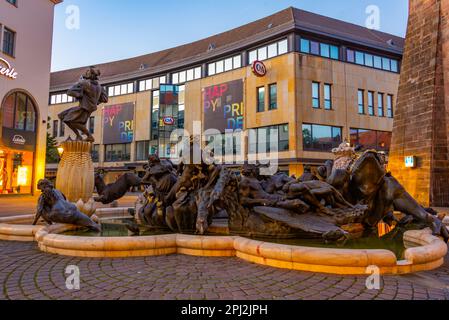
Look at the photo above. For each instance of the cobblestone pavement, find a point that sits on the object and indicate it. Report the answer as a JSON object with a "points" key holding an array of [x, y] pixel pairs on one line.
{"points": [[26, 273]]}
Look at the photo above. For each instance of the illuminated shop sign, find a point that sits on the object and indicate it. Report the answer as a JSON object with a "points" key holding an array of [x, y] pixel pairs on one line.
{"points": [[410, 162], [259, 68], [6, 70]]}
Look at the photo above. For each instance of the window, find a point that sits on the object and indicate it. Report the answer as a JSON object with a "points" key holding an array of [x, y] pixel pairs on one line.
{"points": [[371, 103], [92, 125], [142, 150], [380, 105], [325, 50], [273, 91], [327, 96], [55, 128], [9, 41], [371, 139], [261, 99], [268, 51], [62, 129], [369, 60], [320, 49], [150, 84], [121, 89], [260, 139], [350, 56], [316, 95], [117, 152], [359, 57], [390, 106], [186, 75], [155, 116], [19, 112], [305, 46], [321, 138], [361, 101], [224, 65], [95, 154]]}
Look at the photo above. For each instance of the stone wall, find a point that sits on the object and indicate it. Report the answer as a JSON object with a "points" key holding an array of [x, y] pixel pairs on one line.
{"points": [[421, 117]]}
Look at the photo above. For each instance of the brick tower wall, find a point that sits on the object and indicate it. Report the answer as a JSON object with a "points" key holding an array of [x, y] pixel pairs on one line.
{"points": [[422, 112]]}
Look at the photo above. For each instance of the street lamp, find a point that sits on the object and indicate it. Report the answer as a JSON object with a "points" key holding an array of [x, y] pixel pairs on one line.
{"points": [[60, 151]]}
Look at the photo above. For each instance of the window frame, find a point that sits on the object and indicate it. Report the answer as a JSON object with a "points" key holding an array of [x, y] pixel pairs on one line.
{"points": [[371, 108], [261, 101], [361, 104], [272, 98], [316, 100], [14, 41], [328, 105]]}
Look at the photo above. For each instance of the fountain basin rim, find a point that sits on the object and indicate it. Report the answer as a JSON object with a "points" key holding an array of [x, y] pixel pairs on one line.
{"points": [[428, 256], [325, 260]]}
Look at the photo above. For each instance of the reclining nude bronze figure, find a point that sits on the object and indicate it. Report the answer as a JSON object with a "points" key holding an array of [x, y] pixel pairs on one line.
{"points": [[53, 207]]}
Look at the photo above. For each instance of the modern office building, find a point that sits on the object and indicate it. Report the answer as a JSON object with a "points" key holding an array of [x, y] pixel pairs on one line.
{"points": [[317, 80], [26, 30]]}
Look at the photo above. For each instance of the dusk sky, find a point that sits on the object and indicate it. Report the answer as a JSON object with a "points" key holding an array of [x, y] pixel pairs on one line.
{"points": [[118, 29]]}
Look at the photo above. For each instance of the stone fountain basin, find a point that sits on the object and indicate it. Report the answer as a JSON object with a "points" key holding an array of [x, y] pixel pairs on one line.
{"points": [[427, 254]]}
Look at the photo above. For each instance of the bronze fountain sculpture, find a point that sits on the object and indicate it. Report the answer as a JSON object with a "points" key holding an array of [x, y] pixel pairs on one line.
{"points": [[90, 94], [352, 189]]}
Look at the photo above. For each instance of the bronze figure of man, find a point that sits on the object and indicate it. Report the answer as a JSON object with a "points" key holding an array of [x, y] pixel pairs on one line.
{"points": [[90, 94]]}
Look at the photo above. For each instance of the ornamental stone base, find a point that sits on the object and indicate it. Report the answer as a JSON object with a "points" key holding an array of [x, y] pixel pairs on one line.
{"points": [[75, 178]]}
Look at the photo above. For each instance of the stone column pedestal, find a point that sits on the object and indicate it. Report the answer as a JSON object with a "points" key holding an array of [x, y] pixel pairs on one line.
{"points": [[75, 178]]}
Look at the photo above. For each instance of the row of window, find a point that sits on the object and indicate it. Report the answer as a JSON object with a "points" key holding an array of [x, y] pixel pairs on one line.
{"points": [[320, 49], [272, 98], [121, 89], [381, 103], [58, 128], [224, 65], [319, 138], [150, 84], [372, 61], [186, 75], [268, 51], [323, 138], [9, 40], [61, 98]]}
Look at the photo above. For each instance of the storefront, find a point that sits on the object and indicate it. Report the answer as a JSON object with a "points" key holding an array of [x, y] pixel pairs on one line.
{"points": [[18, 143]]}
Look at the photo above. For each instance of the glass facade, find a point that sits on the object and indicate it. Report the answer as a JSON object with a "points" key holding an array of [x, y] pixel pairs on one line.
{"points": [[18, 144], [321, 138], [371, 139], [259, 140], [117, 152]]}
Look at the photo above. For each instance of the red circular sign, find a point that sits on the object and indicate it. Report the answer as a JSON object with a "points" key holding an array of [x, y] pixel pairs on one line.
{"points": [[169, 121], [259, 68]]}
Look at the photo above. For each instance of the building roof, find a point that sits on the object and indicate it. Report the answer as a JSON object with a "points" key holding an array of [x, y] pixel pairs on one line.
{"points": [[225, 43]]}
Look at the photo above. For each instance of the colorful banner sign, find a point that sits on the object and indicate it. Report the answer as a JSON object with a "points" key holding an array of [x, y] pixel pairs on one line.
{"points": [[224, 106], [118, 123]]}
